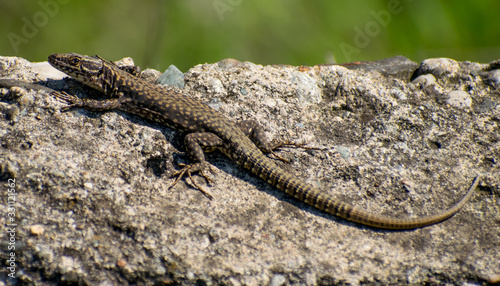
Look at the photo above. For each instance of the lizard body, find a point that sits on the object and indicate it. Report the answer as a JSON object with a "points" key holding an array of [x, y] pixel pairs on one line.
{"points": [[209, 129]]}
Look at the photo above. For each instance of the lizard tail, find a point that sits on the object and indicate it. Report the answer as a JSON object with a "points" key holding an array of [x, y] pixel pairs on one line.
{"points": [[261, 166]]}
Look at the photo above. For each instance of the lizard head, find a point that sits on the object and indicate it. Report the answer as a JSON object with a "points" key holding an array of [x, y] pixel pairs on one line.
{"points": [[85, 69]]}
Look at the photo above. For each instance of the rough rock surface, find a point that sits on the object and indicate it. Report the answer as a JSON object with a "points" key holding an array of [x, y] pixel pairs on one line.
{"points": [[92, 204]]}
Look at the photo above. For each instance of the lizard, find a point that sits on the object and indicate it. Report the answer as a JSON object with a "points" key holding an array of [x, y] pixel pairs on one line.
{"points": [[207, 129]]}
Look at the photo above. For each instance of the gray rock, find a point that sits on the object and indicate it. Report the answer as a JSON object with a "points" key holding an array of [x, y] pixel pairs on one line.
{"points": [[125, 62], [344, 152], [150, 75], [395, 67], [173, 77], [99, 183]]}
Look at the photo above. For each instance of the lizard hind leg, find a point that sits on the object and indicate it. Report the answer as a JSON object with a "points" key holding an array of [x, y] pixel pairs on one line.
{"points": [[254, 131], [195, 144]]}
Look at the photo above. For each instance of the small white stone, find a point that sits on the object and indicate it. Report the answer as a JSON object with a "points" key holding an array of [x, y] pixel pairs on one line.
{"points": [[459, 99], [278, 280], [425, 80], [440, 67], [128, 62], [37, 229]]}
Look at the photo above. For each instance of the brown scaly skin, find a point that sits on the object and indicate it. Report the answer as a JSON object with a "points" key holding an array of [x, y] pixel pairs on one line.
{"points": [[208, 129]]}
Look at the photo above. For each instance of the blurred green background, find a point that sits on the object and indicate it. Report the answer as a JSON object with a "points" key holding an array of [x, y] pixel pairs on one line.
{"points": [[157, 33]]}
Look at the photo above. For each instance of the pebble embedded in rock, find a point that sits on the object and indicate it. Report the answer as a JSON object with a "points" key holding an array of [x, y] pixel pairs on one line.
{"points": [[440, 67], [121, 263], [425, 80], [278, 280], [459, 99], [37, 229], [344, 152]]}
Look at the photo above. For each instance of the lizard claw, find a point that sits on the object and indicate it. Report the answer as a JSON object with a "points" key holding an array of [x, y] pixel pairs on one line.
{"points": [[189, 169], [291, 144], [288, 144], [279, 157], [67, 98]]}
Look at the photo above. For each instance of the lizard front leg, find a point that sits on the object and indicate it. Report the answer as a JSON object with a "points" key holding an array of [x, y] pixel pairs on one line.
{"points": [[90, 104]]}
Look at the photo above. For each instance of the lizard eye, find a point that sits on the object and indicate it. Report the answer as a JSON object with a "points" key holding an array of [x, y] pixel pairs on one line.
{"points": [[75, 61]]}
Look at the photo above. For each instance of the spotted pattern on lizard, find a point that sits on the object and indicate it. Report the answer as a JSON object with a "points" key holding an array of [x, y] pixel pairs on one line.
{"points": [[208, 128]]}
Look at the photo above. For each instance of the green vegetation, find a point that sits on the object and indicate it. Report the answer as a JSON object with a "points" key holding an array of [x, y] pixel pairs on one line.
{"points": [[157, 33]]}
